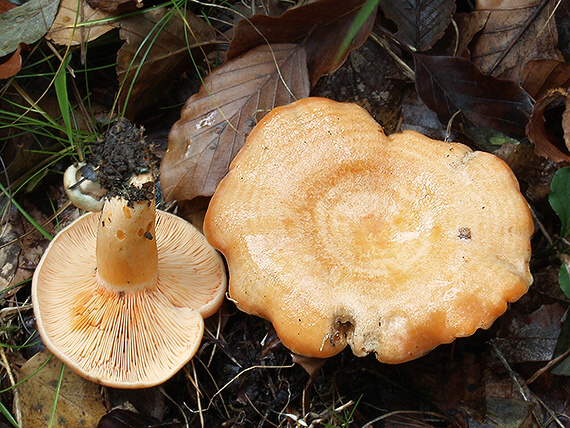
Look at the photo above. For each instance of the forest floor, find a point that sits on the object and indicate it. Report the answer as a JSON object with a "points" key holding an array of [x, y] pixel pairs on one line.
{"points": [[492, 76]]}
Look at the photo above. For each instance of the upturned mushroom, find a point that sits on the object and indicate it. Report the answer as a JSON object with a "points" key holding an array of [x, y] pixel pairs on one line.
{"points": [[120, 296], [341, 235]]}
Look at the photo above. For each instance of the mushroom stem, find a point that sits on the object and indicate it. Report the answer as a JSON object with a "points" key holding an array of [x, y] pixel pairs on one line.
{"points": [[127, 256]]}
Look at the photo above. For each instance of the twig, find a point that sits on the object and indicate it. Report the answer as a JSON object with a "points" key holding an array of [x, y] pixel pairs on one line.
{"points": [[16, 401], [547, 367]]}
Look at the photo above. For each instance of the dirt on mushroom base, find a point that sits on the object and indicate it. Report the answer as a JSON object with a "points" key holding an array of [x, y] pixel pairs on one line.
{"points": [[120, 154]]}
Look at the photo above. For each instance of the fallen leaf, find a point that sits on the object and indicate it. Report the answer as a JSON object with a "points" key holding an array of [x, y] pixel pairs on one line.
{"points": [[420, 23], [562, 18], [544, 128], [37, 15], [320, 27], [12, 65], [157, 40], [515, 32], [116, 7], [216, 121], [66, 29], [469, 25], [532, 337], [79, 404], [6, 6], [451, 84], [539, 77]]}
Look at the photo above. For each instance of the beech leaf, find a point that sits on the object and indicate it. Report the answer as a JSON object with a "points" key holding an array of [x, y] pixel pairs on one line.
{"points": [[539, 77], [157, 40], [420, 23], [66, 29], [216, 121], [541, 129], [448, 85], [320, 27], [515, 32]]}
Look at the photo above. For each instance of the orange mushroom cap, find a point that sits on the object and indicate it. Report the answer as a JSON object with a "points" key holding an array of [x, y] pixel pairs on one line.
{"points": [[339, 234], [120, 298]]}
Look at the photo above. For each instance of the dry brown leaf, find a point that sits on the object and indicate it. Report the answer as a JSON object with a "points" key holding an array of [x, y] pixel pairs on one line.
{"points": [[215, 122], [547, 142], [65, 30], [12, 65], [79, 404], [320, 27], [164, 49], [539, 77], [515, 32], [420, 23], [6, 6], [116, 6], [469, 25]]}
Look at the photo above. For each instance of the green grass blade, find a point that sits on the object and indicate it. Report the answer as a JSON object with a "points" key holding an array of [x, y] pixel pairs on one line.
{"points": [[25, 214], [60, 84], [8, 416]]}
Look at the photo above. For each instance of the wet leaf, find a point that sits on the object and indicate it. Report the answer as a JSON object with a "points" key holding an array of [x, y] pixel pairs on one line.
{"points": [[12, 65], [515, 32], [79, 403], [26, 24], [157, 40], [560, 198], [320, 27], [420, 23], [215, 122], [544, 129], [65, 29], [451, 84], [539, 77]]}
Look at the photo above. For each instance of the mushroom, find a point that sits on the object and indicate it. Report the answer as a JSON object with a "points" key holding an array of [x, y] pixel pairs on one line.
{"points": [[341, 235], [83, 192], [120, 296]]}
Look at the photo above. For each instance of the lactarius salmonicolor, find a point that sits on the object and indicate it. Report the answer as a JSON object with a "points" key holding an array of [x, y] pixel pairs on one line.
{"points": [[339, 234], [120, 296]]}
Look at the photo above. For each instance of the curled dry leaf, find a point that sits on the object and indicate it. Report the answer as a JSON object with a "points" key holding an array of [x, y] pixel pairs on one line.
{"points": [[12, 65], [66, 29], [215, 122], [546, 141], [155, 53], [539, 77], [320, 27], [420, 23], [514, 32], [450, 84]]}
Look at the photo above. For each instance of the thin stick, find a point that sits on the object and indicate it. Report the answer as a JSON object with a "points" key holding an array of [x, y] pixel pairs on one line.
{"points": [[15, 391]]}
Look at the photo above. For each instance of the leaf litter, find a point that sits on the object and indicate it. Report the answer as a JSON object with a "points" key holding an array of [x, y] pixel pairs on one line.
{"points": [[508, 89]]}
